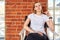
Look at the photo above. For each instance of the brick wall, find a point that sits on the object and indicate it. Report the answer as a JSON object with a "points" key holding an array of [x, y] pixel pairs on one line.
{"points": [[16, 10]]}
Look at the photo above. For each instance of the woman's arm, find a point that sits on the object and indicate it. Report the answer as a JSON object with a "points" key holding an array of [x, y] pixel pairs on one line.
{"points": [[50, 24], [26, 26], [47, 13]]}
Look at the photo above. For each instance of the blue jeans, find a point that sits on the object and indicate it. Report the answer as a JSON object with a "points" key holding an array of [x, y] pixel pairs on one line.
{"points": [[36, 36]]}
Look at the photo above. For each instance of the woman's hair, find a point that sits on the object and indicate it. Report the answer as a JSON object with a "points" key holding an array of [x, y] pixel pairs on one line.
{"points": [[34, 7]]}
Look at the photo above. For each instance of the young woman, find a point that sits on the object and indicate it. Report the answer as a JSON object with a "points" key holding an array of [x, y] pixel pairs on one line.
{"points": [[38, 19]]}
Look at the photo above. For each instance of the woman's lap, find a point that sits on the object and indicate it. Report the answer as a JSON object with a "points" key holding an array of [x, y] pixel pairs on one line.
{"points": [[36, 36]]}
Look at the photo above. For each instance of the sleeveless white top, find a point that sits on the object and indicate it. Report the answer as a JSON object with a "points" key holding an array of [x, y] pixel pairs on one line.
{"points": [[37, 22]]}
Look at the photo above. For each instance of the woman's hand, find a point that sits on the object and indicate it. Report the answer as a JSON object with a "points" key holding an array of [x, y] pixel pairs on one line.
{"points": [[47, 13], [40, 33]]}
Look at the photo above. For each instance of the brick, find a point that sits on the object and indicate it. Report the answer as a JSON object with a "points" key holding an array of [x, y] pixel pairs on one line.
{"points": [[11, 6], [18, 9], [29, 0], [15, 38], [42, 0], [30, 6], [10, 1], [9, 26], [17, 16], [44, 3], [10, 31], [29, 3], [19, 1], [35, 0], [12, 26], [26, 9], [25, 6], [9, 13], [10, 34], [10, 10], [24, 0], [7, 38], [13, 29], [14, 19], [7, 3], [19, 6], [8, 22], [24, 3], [17, 22], [11, 37], [7, 19], [10, 16], [19, 13], [19, 29]]}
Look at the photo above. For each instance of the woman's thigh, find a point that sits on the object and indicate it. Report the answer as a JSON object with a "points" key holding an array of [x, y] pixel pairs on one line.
{"points": [[34, 36], [45, 37]]}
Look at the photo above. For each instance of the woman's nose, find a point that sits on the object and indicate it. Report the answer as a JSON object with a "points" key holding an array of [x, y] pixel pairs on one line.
{"points": [[38, 7]]}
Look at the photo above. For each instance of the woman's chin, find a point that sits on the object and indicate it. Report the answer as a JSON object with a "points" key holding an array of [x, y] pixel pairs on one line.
{"points": [[38, 10]]}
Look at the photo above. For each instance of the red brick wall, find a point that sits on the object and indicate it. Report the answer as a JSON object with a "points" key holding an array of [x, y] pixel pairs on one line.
{"points": [[16, 10]]}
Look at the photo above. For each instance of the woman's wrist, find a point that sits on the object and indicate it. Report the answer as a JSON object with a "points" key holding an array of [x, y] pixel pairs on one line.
{"points": [[32, 32], [50, 17]]}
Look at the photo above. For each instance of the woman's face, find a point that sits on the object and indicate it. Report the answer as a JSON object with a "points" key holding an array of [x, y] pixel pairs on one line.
{"points": [[38, 7]]}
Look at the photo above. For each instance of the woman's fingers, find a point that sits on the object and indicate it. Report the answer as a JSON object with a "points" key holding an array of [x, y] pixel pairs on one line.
{"points": [[40, 33], [47, 13]]}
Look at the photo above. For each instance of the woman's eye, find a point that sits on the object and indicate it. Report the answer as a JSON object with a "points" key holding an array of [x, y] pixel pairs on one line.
{"points": [[35, 6], [39, 5]]}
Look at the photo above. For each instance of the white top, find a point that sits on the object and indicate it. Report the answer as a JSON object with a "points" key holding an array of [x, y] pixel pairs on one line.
{"points": [[37, 22]]}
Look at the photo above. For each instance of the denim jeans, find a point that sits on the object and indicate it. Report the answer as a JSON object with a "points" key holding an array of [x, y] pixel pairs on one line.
{"points": [[36, 36]]}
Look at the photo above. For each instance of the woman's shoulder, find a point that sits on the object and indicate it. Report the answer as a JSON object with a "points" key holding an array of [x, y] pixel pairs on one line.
{"points": [[45, 15]]}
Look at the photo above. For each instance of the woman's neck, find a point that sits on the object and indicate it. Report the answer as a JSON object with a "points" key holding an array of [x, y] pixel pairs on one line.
{"points": [[38, 13]]}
